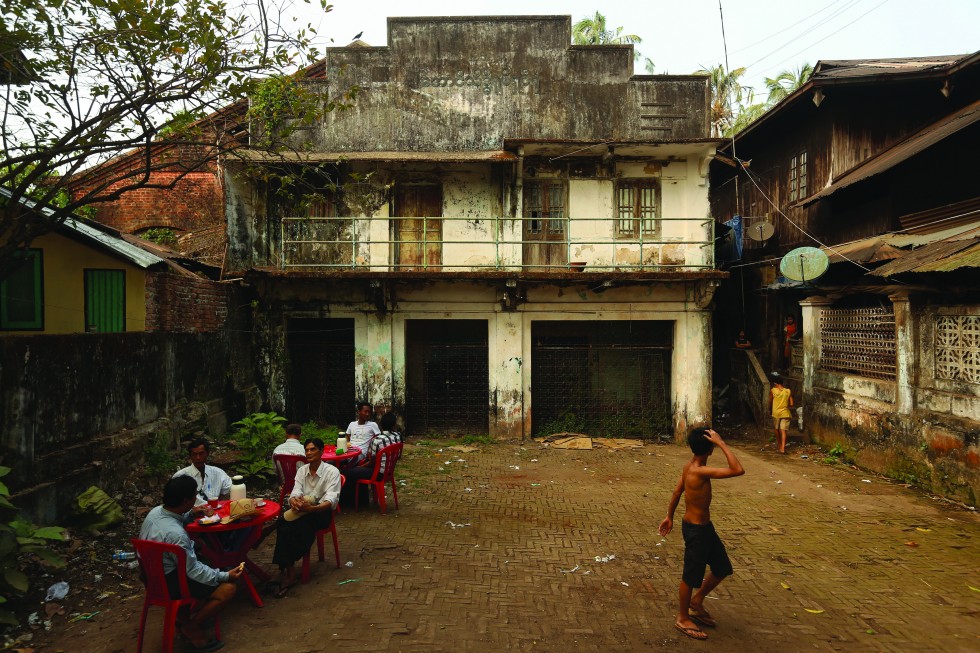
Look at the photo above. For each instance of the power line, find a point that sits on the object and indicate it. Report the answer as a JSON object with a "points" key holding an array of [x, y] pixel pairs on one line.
{"points": [[788, 27]]}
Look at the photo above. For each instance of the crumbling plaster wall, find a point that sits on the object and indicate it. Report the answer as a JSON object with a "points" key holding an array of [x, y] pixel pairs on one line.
{"points": [[379, 338], [931, 439], [469, 83]]}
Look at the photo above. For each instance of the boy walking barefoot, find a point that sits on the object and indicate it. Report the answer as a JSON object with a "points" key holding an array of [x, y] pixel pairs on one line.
{"points": [[780, 403], [702, 546]]}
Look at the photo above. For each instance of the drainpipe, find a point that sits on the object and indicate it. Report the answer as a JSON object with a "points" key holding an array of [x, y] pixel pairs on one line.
{"points": [[518, 182]]}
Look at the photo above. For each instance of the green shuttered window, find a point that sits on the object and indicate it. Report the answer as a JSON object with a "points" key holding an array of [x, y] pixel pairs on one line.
{"points": [[105, 301], [22, 294]]}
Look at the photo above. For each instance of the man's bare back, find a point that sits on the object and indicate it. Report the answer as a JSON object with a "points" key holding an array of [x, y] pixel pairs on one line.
{"points": [[697, 494]]}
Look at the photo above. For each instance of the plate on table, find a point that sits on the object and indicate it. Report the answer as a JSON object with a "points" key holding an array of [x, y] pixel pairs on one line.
{"points": [[207, 521], [260, 503]]}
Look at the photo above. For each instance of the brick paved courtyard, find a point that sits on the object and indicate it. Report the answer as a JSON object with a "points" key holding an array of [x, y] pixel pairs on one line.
{"points": [[495, 550]]}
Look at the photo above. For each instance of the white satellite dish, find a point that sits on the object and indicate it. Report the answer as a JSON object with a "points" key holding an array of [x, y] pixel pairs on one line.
{"points": [[762, 230], [804, 264]]}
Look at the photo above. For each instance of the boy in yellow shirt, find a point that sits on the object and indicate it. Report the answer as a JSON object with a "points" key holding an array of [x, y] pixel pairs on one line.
{"points": [[780, 402]]}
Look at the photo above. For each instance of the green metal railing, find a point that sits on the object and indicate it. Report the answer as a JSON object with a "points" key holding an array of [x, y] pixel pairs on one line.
{"points": [[338, 242]]}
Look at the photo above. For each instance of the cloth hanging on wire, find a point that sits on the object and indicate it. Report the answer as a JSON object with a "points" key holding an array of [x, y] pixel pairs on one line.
{"points": [[729, 249]]}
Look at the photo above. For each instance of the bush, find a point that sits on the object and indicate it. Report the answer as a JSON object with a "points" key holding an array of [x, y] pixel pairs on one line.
{"points": [[257, 435], [20, 542]]}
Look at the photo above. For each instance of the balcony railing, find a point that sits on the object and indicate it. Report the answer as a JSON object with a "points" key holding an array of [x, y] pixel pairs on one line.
{"points": [[480, 243]]}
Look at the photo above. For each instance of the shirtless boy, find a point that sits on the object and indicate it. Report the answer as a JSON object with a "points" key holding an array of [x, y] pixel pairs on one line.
{"points": [[702, 546]]}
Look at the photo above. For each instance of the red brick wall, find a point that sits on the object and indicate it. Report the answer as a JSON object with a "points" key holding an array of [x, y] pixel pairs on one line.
{"points": [[195, 202], [180, 304]]}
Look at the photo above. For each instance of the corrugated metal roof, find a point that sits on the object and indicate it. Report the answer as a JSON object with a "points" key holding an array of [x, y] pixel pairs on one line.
{"points": [[839, 68], [903, 151], [115, 244], [961, 250]]}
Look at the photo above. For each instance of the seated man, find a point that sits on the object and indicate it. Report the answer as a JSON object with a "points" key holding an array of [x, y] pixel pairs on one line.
{"points": [[212, 482], [311, 505], [360, 432], [293, 446], [165, 523], [353, 473]]}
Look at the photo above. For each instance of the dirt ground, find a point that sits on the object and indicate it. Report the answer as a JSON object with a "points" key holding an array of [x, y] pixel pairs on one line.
{"points": [[529, 548]]}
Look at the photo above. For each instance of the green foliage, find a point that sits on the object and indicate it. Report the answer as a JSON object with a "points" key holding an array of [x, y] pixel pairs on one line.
{"points": [[592, 30], [20, 542], [160, 236], [477, 439], [257, 435], [567, 422], [159, 455], [104, 78], [326, 433], [840, 453]]}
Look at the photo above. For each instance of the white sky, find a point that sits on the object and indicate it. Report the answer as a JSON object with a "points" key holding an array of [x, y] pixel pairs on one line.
{"points": [[680, 36]]}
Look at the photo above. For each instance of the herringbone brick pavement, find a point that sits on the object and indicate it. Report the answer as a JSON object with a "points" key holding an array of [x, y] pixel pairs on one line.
{"points": [[495, 550]]}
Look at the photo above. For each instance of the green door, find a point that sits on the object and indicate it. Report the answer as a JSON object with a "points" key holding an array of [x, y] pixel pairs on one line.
{"points": [[105, 301]]}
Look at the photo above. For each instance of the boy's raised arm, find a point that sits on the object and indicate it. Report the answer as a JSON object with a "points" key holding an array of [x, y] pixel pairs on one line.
{"points": [[734, 467], [668, 523]]}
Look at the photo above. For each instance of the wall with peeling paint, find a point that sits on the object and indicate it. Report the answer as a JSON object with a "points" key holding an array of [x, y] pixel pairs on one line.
{"points": [[918, 428], [380, 339]]}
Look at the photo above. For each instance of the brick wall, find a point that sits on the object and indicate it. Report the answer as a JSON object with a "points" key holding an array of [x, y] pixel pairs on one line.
{"points": [[181, 304], [194, 203]]}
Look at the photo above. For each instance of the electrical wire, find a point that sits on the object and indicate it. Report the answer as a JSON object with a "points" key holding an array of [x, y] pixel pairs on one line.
{"points": [[788, 27]]}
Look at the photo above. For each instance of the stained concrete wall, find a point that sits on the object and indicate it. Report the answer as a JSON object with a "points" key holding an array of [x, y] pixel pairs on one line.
{"points": [[918, 428], [469, 83], [380, 343]]}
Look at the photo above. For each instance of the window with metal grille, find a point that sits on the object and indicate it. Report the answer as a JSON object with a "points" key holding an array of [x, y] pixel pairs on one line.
{"points": [[958, 348], [544, 206], [637, 208], [797, 177], [22, 293], [105, 301], [859, 341]]}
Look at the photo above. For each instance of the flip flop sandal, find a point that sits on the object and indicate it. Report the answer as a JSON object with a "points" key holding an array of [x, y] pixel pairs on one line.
{"points": [[693, 633], [703, 618]]}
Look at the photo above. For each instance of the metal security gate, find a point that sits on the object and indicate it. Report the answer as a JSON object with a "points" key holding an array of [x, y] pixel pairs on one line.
{"points": [[321, 370], [601, 378], [447, 377]]}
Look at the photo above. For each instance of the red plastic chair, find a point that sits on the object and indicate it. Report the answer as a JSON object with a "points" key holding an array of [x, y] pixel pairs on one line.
{"points": [[286, 465], [332, 529], [389, 455], [150, 556]]}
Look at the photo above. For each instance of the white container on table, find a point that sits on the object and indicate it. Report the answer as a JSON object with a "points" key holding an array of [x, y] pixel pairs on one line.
{"points": [[342, 443], [237, 488]]}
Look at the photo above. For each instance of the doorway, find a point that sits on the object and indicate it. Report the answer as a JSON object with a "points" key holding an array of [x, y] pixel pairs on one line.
{"points": [[418, 226], [545, 224], [321, 370], [447, 377]]}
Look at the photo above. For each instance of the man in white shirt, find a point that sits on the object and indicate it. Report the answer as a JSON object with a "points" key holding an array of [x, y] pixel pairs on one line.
{"points": [[360, 432], [311, 504], [293, 445], [212, 482]]}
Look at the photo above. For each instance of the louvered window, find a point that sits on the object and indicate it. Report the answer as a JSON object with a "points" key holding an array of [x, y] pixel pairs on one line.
{"points": [[105, 301]]}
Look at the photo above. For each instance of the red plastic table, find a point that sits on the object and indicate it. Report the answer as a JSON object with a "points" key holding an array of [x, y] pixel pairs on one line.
{"points": [[213, 549], [330, 454]]}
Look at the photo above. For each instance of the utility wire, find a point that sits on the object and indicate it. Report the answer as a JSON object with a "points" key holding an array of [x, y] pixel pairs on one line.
{"points": [[788, 27]]}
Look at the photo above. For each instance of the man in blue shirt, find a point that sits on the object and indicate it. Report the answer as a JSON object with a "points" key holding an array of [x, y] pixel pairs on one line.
{"points": [[215, 588]]}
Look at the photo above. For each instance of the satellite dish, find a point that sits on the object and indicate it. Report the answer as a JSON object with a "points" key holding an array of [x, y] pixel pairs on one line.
{"points": [[760, 230], [804, 264]]}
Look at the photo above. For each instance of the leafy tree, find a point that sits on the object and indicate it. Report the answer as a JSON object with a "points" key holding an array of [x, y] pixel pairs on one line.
{"points": [[86, 81], [786, 82], [728, 96], [592, 30]]}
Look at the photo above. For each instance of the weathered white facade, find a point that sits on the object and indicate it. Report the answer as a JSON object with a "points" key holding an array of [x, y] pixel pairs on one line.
{"points": [[521, 239]]}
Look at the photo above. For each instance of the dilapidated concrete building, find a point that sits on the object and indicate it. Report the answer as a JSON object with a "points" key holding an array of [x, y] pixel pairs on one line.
{"points": [[512, 235]]}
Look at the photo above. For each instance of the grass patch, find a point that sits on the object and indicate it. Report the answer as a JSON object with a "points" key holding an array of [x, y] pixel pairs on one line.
{"points": [[477, 439]]}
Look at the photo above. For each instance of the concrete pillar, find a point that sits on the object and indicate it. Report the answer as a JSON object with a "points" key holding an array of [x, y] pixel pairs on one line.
{"points": [[812, 307], [905, 353], [376, 364], [691, 373], [506, 376]]}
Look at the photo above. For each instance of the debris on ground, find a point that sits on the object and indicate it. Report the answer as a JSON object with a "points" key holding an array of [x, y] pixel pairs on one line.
{"points": [[607, 558], [57, 592]]}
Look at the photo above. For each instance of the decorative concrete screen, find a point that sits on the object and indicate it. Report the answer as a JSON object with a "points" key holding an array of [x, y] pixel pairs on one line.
{"points": [[958, 348], [858, 341]]}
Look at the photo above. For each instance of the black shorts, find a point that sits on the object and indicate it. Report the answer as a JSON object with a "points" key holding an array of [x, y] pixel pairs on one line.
{"points": [[703, 547], [197, 590]]}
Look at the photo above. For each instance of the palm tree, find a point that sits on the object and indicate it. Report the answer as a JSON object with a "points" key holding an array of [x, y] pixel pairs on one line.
{"points": [[728, 96], [786, 82], [592, 31]]}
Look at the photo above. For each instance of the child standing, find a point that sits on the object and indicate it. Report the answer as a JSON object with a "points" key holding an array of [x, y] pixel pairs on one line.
{"points": [[702, 546], [780, 402]]}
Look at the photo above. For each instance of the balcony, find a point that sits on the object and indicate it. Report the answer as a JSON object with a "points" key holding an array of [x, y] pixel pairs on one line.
{"points": [[475, 245]]}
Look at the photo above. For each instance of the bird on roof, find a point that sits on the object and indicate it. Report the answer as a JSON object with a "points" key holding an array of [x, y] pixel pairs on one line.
{"points": [[357, 36]]}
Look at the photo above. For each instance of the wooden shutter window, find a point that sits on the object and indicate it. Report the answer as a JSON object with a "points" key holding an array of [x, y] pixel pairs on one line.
{"points": [[105, 301]]}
